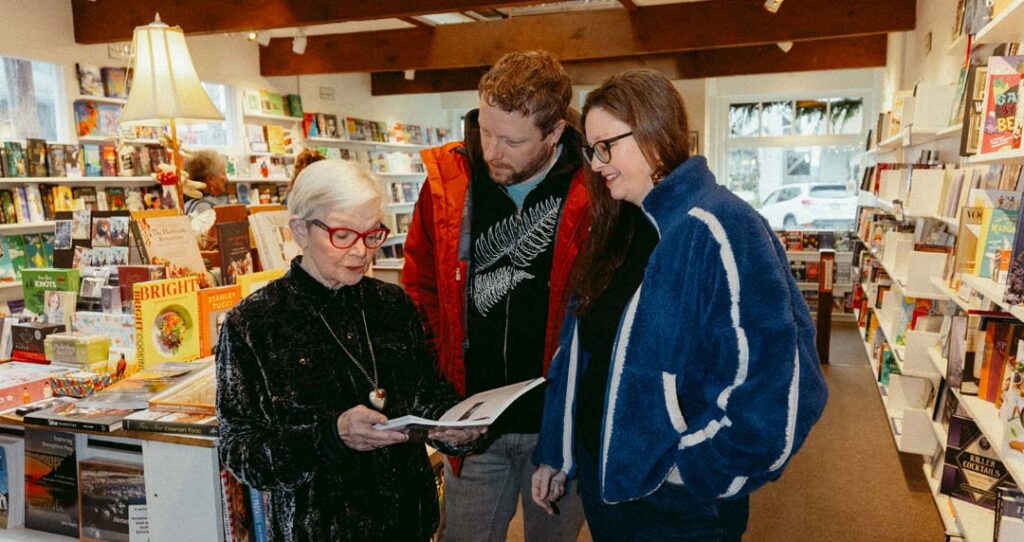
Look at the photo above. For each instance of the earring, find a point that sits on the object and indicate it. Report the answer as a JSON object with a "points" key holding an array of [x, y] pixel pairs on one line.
{"points": [[656, 178]]}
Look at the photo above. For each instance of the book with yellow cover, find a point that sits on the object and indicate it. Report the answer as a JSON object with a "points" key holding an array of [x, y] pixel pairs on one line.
{"points": [[214, 303], [166, 320], [254, 281]]}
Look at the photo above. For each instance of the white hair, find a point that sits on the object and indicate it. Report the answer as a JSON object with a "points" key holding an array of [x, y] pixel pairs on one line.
{"points": [[331, 184]]}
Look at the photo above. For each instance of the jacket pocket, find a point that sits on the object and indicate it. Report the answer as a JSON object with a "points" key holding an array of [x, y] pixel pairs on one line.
{"points": [[675, 412]]}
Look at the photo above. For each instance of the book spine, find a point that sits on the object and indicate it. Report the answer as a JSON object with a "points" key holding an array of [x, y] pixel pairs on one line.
{"points": [[74, 424], [225, 505], [210, 410], [259, 515], [171, 427], [140, 339]]}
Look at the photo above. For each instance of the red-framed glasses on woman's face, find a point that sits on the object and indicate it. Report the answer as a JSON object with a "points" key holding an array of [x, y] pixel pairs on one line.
{"points": [[343, 238]]}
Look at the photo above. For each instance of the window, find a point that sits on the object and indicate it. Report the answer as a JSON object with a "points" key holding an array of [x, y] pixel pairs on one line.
{"points": [[780, 153], [31, 99], [212, 134]]}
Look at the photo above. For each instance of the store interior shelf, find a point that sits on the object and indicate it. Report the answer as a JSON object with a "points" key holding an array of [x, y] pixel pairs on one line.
{"points": [[976, 523], [954, 47], [328, 142], [27, 227], [109, 139], [259, 180], [941, 363], [21, 534], [100, 99], [867, 199], [993, 291], [941, 286], [921, 136], [1008, 26], [941, 504], [272, 118], [77, 180], [413, 176], [1003, 157], [890, 143], [987, 417]]}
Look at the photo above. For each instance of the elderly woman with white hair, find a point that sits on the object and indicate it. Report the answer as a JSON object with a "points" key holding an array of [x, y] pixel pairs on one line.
{"points": [[307, 365]]}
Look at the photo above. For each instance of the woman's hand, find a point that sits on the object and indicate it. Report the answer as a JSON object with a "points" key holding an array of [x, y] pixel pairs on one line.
{"points": [[355, 427], [457, 437], [548, 487]]}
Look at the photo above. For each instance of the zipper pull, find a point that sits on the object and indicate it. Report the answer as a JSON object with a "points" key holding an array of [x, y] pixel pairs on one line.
{"points": [[458, 273]]}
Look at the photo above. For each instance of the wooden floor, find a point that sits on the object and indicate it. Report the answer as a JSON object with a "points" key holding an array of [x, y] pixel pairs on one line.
{"points": [[848, 483]]}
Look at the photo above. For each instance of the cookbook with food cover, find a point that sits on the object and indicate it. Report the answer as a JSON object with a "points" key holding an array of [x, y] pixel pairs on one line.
{"points": [[166, 320]]}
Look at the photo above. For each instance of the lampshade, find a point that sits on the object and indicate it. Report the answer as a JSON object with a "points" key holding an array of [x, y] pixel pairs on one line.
{"points": [[164, 82]]}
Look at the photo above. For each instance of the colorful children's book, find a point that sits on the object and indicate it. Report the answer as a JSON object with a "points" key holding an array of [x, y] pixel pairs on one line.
{"points": [[90, 80], [997, 232], [1003, 78], [115, 82], [37, 282]]}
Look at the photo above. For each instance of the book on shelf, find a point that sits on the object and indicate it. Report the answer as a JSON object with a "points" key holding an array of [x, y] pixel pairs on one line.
{"points": [[36, 155], [214, 303], [36, 282], [236, 507], [51, 481], [254, 281], [1009, 517], [112, 501], [166, 320], [1002, 79], [115, 82], [169, 241], [108, 160], [79, 416], [995, 241], [91, 160], [480, 409], [973, 471], [12, 482], [294, 105], [16, 161], [274, 243], [974, 110], [181, 423], [90, 79], [234, 246]]}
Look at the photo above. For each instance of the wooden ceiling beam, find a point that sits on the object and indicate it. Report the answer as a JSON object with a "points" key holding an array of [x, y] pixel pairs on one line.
{"points": [[114, 20], [590, 35], [840, 53]]}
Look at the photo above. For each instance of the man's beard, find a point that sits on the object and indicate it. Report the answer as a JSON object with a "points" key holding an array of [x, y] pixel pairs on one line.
{"points": [[516, 177]]}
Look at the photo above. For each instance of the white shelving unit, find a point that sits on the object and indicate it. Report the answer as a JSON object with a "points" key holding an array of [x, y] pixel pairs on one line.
{"points": [[976, 523], [100, 99], [111, 139], [266, 117], [87, 181], [1008, 26], [329, 142], [21, 534], [27, 227], [260, 180], [942, 504], [987, 418], [1004, 157]]}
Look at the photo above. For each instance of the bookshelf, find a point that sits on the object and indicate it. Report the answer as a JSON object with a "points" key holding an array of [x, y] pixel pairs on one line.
{"points": [[267, 117], [1004, 157], [100, 99], [79, 181], [330, 142], [1008, 26], [111, 139], [27, 227]]}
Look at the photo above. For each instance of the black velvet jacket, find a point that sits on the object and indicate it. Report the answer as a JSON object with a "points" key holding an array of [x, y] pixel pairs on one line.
{"points": [[282, 382]]}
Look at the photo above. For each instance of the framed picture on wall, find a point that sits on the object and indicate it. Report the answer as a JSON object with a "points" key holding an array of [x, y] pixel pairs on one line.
{"points": [[694, 143]]}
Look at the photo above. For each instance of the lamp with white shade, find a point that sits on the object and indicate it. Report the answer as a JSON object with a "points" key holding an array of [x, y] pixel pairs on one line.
{"points": [[165, 87]]}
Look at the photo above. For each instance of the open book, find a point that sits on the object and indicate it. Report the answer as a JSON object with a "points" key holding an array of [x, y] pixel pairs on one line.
{"points": [[476, 411]]}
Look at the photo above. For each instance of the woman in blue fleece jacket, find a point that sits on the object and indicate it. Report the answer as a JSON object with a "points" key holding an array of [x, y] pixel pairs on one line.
{"points": [[687, 375]]}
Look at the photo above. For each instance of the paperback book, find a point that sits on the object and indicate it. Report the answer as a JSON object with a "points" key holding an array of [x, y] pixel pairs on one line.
{"points": [[51, 481], [480, 409], [214, 304], [109, 491], [973, 470]]}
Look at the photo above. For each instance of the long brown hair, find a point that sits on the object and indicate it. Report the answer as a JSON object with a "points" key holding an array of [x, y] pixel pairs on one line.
{"points": [[648, 102]]}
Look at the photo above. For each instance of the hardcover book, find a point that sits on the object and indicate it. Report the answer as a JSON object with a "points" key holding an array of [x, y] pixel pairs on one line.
{"points": [[214, 303], [36, 150], [134, 392], [108, 160], [195, 394], [235, 254], [997, 232], [1003, 78], [166, 320], [90, 81], [172, 422], [12, 482], [92, 160], [36, 282], [115, 82], [254, 281], [58, 153], [169, 241], [973, 470], [87, 119], [108, 492], [79, 416], [128, 275], [16, 162], [109, 116], [73, 161], [51, 481]]}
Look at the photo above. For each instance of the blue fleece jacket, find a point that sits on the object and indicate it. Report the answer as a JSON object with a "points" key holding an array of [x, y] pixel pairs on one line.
{"points": [[714, 381]]}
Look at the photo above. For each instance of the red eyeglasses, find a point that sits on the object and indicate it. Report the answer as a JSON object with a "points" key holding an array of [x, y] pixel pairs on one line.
{"points": [[343, 238]]}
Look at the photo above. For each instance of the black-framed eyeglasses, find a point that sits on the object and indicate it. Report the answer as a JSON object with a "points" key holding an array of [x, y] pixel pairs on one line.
{"points": [[602, 149], [342, 238]]}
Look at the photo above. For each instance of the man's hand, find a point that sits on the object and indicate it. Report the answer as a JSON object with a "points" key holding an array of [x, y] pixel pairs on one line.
{"points": [[548, 487], [355, 427], [457, 437]]}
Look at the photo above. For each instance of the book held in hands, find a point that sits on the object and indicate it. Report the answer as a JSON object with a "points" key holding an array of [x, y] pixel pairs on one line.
{"points": [[478, 410]]}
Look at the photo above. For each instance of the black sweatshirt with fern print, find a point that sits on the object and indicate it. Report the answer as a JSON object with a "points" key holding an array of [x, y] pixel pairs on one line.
{"points": [[511, 252]]}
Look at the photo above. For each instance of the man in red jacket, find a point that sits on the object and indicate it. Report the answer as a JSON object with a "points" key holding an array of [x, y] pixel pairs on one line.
{"points": [[493, 237]]}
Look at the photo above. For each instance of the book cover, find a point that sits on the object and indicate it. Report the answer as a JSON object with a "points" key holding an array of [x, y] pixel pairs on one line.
{"points": [[169, 241], [14, 248], [128, 275], [51, 481], [1002, 79], [87, 119], [57, 155], [109, 116], [115, 82], [121, 330], [997, 235], [254, 281], [135, 391], [234, 247], [294, 105], [275, 139], [73, 161], [182, 423], [274, 103], [1012, 408], [309, 126], [214, 303], [116, 199], [194, 394], [36, 151], [7, 272], [90, 80], [108, 161], [166, 320], [17, 163], [92, 160], [127, 161], [36, 282], [12, 482], [973, 470], [108, 490], [35, 251], [78, 416]]}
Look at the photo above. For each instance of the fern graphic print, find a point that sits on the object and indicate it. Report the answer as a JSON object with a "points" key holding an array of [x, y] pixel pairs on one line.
{"points": [[502, 254]]}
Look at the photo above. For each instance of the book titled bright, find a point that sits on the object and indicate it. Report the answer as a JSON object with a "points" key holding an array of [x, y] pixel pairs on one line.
{"points": [[477, 410], [166, 320]]}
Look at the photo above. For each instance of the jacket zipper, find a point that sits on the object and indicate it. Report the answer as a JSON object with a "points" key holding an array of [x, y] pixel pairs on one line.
{"points": [[508, 302]]}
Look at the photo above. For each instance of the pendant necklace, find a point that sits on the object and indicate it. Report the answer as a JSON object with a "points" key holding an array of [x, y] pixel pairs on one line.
{"points": [[378, 397]]}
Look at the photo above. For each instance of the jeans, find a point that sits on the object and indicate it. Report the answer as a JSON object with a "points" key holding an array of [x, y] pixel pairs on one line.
{"points": [[665, 515], [481, 501]]}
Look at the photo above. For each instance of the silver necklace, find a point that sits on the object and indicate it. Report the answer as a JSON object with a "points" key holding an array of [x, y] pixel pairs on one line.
{"points": [[378, 397]]}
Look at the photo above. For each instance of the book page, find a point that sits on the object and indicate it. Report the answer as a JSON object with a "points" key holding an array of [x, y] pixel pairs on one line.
{"points": [[478, 410]]}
